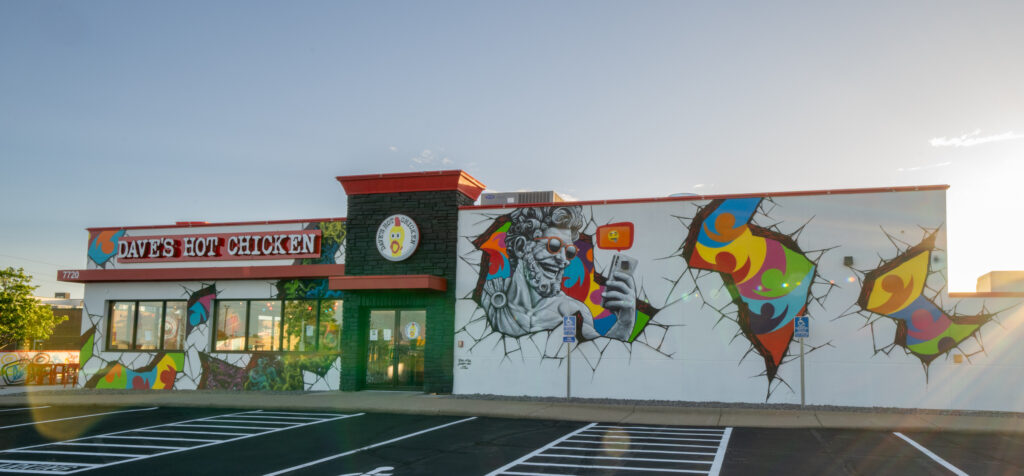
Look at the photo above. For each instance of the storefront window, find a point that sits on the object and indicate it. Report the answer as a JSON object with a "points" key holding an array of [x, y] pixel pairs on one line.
{"points": [[147, 330], [230, 325], [264, 325], [122, 325], [174, 325], [330, 325], [146, 325], [300, 325]]}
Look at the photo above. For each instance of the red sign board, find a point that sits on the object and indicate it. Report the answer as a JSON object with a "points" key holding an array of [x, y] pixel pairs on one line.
{"points": [[220, 246], [615, 236]]}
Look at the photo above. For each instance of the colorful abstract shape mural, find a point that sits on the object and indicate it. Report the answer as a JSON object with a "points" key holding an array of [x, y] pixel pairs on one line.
{"points": [[767, 275], [200, 307], [159, 375], [103, 246], [897, 290]]}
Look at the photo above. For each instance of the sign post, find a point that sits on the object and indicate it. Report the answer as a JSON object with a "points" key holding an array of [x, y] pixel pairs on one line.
{"points": [[569, 337], [802, 331]]}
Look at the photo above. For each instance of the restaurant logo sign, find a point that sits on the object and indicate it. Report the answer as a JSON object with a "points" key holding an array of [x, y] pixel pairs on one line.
{"points": [[397, 238], [220, 246]]}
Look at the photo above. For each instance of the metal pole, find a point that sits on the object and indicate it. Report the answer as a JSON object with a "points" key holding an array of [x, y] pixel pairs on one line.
{"points": [[802, 399], [568, 370]]}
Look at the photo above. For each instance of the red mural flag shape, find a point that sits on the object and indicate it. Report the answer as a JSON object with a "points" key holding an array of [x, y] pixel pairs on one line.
{"points": [[615, 236]]}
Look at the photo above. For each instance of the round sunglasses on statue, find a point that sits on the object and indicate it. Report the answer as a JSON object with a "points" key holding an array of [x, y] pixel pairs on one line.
{"points": [[555, 244]]}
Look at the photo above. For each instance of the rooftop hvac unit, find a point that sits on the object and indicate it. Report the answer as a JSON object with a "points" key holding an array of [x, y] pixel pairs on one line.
{"points": [[519, 198]]}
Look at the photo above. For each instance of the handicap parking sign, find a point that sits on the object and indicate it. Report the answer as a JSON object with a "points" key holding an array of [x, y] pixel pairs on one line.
{"points": [[803, 327], [569, 329]]}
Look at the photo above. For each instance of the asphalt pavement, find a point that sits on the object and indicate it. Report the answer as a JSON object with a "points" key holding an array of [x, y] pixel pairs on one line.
{"points": [[158, 440], [622, 412]]}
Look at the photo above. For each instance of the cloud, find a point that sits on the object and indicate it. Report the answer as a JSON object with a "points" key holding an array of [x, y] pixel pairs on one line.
{"points": [[392, 148], [447, 161], [972, 139], [923, 167], [426, 157]]}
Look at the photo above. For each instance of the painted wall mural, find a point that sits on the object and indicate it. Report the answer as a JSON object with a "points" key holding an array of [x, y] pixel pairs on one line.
{"points": [[103, 246], [332, 243], [765, 272], [901, 289], [539, 265], [14, 364], [196, 368], [160, 374], [265, 371]]}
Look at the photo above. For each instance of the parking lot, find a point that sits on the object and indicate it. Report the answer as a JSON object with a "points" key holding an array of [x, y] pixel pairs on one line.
{"points": [[162, 440]]}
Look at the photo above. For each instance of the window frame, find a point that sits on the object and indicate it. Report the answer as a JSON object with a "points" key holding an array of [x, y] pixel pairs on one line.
{"points": [[132, 342], [281, 335]]}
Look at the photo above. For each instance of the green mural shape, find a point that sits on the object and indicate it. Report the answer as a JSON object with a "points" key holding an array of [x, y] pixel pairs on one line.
{"points": [[86, 353]]}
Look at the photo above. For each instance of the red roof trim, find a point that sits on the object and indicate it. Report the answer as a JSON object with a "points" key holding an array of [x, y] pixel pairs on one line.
{"points": [[407, 281], [1004, 294], [439, 180], [200, 274], [841, 191], [198, 224]]}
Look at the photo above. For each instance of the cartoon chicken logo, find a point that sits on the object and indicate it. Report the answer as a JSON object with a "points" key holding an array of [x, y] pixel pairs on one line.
{"points": [[397, 235]]}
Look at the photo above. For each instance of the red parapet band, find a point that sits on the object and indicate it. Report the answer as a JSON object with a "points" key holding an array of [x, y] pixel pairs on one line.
{"points": [[405, 281], [308, 271]]}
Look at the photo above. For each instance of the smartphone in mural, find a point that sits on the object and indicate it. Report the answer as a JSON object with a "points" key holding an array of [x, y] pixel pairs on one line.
{"points": [[623, 264]]}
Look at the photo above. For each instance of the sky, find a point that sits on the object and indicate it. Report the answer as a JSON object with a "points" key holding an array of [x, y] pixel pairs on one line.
{"points": [[146, 113]]}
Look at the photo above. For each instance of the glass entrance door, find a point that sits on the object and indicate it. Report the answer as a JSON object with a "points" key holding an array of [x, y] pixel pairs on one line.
{"points": [[395, 346]]}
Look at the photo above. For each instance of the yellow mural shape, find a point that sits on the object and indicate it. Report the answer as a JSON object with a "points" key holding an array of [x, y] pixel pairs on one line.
{"points": [[898, 288], [745, 248]]}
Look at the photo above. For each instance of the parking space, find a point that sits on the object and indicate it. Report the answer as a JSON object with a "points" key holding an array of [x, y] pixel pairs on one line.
{"points": [[103, 450], [627, 450], [91, 440]]}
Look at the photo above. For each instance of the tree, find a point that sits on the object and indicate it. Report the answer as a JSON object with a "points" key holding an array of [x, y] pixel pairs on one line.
{"points": [[22, 316]]}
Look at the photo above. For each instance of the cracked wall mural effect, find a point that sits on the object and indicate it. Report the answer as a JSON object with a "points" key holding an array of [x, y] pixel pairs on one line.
{"points": [[103, 246], [901, 290], [537, 265], [196, 368], [765, 272], [189, 368]]}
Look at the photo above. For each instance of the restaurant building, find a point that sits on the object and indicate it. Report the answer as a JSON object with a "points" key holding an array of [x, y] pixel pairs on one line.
{"points": [[694, 298]]}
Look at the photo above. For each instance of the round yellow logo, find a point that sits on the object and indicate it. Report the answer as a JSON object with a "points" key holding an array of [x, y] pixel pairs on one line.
{"points": [[397, 237]]}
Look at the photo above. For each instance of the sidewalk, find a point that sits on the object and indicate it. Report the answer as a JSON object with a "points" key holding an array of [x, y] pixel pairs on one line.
{"points": [[637, 413]]}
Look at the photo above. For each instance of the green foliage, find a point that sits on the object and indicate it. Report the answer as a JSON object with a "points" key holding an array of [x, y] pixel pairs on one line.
{"points": [[23, 317]]}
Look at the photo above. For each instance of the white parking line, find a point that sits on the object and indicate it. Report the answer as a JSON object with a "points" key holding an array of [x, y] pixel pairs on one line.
{"points": [[68, 467], [161, 438], [632, 450], [197, 425], [631, 443], [79, 416], [25, 408], [659, 428], [931, 455], [540, 450], [410, 435], [652, 470], [716, 467], [619, 441], [119, 445], [653, 438]]}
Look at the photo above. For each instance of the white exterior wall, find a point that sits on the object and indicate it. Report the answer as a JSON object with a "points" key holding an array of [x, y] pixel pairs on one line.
{"points": [[696, 356]]}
